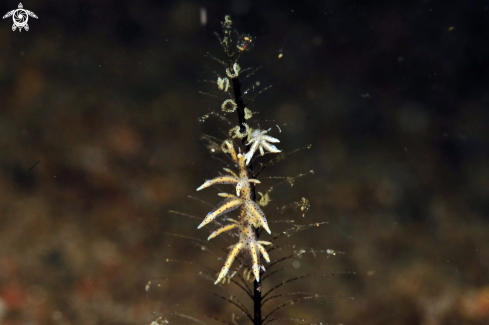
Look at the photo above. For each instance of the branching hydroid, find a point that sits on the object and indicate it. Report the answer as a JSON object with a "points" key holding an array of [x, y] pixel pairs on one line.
{"points": [[239, 216]]}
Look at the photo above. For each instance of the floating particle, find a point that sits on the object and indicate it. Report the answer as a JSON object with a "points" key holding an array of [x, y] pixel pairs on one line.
{"points": [[148, 285], [203, 16], [245, 42], [280, 53]]}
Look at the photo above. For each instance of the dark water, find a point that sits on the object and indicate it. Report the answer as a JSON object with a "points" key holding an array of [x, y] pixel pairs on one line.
{"points": [[100, 137]]}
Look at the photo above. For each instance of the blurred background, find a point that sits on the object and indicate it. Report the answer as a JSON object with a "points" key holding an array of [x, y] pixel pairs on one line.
{"points": [[100, 137]]}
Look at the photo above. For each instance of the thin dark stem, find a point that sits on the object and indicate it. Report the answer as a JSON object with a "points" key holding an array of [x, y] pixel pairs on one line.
{"points": [[226, 41], [257, 303]]}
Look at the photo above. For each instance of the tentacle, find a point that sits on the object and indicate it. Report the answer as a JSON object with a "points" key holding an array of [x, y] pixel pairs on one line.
{"points": [[232, 152], [229, 261], [228, 195], [224, 206], [270, 139], [255, 257], [236, 270], [255, 211], [250, 153], [270, 147], [231, 172], [225, 179], [263, 252], [222, 229]]}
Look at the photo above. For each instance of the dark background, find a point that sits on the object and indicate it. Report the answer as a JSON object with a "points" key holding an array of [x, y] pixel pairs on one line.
{"points": [[104, 95]]}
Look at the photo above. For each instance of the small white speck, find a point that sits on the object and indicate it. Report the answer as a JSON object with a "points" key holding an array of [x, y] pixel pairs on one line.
{"points": [[203, 16]]}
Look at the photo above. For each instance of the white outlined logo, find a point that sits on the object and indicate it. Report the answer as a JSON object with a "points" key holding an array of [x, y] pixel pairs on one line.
{"points": [[20, 17]]}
